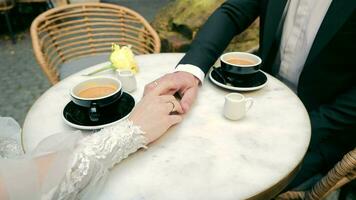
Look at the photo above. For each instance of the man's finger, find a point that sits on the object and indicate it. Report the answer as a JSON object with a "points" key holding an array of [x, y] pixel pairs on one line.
{"points": [[188, 98], [148, 88], [166, 87], [151, 86]]}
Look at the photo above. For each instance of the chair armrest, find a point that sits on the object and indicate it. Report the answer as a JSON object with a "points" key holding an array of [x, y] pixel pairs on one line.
{"points": [[343, 172]]}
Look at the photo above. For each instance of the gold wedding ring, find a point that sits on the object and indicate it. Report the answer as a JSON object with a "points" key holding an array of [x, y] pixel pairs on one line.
{"points": [[173, 106]]}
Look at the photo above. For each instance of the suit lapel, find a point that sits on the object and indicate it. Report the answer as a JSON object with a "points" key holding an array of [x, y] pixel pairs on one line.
{"points": [[273, 18], [336, 16]]}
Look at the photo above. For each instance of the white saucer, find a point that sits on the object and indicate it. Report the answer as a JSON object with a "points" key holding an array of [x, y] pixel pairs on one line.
{"points": [[229, 86]]}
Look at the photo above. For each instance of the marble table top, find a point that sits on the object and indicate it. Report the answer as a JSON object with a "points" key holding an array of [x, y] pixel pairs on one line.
{"points": [[206, 156]]}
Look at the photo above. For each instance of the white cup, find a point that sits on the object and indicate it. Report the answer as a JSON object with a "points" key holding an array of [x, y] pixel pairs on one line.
{"points": [[236, 106], [127, 79]]}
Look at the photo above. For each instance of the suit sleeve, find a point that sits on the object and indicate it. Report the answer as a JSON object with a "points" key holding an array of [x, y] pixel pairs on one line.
{"points": [[230, 19]]}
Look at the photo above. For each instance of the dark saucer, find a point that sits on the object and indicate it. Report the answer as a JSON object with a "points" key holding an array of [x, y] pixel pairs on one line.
{"points": [[242, 84], [242, 81], [78, 117]]}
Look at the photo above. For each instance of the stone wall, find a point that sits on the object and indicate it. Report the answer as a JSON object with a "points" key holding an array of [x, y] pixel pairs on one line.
{"points": [[178, 22]]}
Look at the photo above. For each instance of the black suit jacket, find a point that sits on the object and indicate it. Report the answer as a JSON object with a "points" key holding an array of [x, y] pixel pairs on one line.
{"points": [[327, 84]]}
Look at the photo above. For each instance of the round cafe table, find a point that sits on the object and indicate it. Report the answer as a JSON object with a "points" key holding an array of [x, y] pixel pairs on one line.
{"points": [[206, 156]]}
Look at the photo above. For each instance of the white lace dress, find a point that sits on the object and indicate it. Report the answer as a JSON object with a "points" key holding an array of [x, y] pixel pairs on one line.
{"points": [[79, 163], [10, 138]]}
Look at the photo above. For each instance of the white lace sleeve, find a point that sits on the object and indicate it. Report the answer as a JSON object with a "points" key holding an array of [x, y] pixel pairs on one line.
{"points": [[78, 164], [95, 155]]}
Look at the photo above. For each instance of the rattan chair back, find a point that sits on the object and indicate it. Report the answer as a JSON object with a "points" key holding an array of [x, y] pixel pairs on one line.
{"points": [[78, 30], [6, 5]]}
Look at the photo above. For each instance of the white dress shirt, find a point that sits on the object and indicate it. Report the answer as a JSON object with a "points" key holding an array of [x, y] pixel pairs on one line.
{"points": [[301, 24]]}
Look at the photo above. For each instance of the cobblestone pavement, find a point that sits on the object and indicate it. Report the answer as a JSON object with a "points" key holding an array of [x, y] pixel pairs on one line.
{"points": [[21, 79]]}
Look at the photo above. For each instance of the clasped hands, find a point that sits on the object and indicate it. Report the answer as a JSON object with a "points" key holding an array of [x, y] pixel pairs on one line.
{"points": [[158, 110]]}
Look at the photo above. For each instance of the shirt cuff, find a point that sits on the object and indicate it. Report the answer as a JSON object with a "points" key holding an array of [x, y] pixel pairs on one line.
{"points": [[196, 71]]}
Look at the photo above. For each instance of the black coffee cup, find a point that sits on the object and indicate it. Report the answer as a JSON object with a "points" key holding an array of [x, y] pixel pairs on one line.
{"points": [[239, 63], [96, 94]]}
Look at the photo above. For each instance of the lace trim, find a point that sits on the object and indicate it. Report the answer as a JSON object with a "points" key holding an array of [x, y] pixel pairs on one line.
{"points": [[9, 148], [96, 154]]}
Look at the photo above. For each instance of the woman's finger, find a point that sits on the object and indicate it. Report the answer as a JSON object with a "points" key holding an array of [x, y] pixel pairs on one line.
{"points": [[174, 119], [178, 108], [171, 104], [166, 98]]}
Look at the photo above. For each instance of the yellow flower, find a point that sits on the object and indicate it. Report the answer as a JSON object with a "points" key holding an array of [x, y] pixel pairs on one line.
{"points": [[123, 58]]}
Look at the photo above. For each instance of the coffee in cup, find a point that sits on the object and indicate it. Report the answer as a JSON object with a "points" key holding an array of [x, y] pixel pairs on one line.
{"points": [[97, 91], [239, 63], [95, 94]]}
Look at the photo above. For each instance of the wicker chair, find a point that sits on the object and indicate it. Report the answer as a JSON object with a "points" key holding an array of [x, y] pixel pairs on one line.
{"points": [[74, 31], [58, 3], [342, 173], [5, 7]]}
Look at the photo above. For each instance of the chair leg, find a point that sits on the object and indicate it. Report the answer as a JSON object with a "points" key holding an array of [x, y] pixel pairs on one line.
{"points": [[12, 35]]}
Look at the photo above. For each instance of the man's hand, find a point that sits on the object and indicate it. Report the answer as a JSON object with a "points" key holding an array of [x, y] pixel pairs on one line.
{"points": [[184, 83]]}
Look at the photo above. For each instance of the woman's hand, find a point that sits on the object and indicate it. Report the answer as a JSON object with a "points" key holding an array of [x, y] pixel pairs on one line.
{"points": [[186, 84], [155, 114]]}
